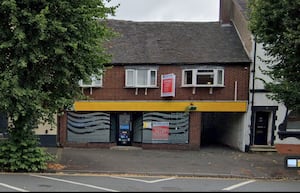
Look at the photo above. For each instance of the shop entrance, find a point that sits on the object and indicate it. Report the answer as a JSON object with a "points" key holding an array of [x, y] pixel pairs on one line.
{"points": [[124, 129]]}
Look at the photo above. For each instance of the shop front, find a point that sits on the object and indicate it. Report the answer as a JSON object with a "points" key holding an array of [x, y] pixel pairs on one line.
{"points": [[168, 124]]}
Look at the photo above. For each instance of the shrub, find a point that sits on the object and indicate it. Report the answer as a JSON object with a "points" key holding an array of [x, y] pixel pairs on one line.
{"points": [[25, 156]]}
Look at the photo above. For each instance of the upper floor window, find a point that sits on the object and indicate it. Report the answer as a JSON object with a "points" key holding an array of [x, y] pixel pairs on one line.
{"points": [[203, 77], [93, 81], [141, 77]]}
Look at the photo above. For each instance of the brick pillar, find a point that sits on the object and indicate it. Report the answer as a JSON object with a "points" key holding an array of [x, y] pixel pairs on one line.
{"points": [[62, 129], [195, 130]]}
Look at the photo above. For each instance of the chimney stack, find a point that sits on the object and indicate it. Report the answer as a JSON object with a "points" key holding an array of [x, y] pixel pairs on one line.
{"points": [[225, 12]]}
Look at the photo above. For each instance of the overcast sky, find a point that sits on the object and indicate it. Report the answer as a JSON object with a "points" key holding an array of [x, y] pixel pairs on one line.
{"points": [[166, 10]]}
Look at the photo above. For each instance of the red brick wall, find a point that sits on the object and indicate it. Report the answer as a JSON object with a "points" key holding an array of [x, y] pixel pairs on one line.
{"points": [[62, 129], [291, 149], [114, 89], [114, 86], [195, 129]]}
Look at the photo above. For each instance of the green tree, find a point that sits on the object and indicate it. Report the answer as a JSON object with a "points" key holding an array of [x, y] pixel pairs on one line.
{"points": [[46, 47], [276, 24]]}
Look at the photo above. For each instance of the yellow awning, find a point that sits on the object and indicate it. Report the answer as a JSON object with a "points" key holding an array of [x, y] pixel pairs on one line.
{"points": [[171, 106]]}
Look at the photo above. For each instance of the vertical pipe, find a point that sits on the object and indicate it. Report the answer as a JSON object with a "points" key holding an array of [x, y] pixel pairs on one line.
{"points": [[235, 90], [253, 74], [252, 96]]}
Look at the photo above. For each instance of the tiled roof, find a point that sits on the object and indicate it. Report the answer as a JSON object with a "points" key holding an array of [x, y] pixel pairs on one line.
{"points": [[175, 43]]}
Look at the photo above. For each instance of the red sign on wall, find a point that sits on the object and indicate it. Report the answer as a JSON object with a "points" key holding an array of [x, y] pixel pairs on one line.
{"points": [[160, 131], [168, 85]]}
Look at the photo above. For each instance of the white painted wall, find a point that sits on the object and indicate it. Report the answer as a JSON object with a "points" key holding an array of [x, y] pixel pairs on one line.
{"points": [[47, 129], [229, 129], [234, 133], [261, 99]]}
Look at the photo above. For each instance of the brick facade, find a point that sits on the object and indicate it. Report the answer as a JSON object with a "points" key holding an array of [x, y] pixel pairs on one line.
{"points": [[114, 89]]}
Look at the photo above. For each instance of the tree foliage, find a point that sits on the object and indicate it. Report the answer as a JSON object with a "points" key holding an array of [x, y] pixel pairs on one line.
{"points": [[46, 47], [276, 24]]}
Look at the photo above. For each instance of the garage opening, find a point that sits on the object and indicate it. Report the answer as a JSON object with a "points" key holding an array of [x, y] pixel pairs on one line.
{"points": [[222, 129]]}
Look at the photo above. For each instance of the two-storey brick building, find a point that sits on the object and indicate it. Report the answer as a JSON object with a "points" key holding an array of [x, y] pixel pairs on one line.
{"points": [[170, 85]]}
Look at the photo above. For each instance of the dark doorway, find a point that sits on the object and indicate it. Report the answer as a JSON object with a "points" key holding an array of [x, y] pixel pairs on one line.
{"points": [[261, 128], [124, 134]]}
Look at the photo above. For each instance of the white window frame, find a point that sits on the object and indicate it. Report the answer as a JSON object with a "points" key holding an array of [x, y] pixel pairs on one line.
{"points": [[96, 81], [131, 78], [214, 72]]}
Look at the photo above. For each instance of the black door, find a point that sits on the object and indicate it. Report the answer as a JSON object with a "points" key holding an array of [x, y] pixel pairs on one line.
{"points": [[261, 128]]}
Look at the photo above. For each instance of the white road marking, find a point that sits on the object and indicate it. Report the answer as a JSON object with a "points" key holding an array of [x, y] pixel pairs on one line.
{"points": [[146, 181], [238, 185], [77, 183], [13, 187]]}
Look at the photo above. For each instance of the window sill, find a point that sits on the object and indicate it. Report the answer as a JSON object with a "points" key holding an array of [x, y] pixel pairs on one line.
{"points": [[90, 86], [203, 86], [141, 87], [286, 134]]}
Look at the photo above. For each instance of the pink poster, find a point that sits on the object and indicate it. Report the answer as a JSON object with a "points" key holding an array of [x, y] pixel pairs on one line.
{"points": [[160, 131], [168, 85]]}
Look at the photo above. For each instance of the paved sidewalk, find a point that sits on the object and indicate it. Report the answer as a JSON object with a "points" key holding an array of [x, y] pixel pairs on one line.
{"points": [[207, 162]]}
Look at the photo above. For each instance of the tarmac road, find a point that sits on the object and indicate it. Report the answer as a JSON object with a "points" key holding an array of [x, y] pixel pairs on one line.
{"points": [[210, 161], [46, 182]]}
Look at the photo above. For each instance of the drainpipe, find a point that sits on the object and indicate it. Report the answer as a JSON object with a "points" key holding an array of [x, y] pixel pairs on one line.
{"points": [[253, 92], [253, 76]]}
